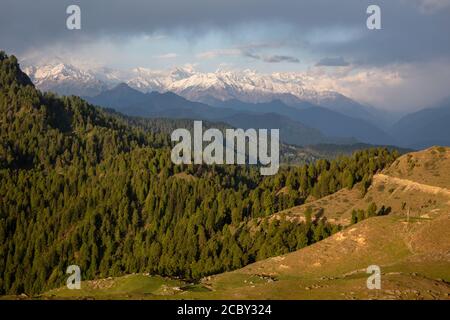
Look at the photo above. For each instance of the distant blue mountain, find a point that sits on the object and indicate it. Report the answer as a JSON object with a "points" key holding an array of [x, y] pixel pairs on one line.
{"points": [[330, 123], [129, 101], [425, 128], [304, 124]]}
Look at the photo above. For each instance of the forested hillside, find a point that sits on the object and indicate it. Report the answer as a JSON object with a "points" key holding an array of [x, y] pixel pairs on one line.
{"points": [[83, 186]]}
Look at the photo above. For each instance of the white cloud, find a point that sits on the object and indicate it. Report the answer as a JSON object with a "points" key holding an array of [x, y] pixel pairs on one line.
{"points": [[219, 53], [170, 55], [396, 87]]}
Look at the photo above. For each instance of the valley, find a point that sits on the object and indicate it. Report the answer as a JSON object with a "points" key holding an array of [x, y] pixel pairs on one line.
{"points": [[410, 245], [89, 186]]}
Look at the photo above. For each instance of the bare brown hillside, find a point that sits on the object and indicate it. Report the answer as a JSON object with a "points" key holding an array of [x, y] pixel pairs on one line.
{"points": [[334, 207], [430, 167], [411, 244]]}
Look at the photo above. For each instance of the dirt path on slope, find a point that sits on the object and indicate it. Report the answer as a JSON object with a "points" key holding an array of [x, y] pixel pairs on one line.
{"points": [[412, 185]]}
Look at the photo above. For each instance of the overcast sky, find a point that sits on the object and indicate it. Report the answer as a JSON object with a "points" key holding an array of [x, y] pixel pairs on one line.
{"points": [[403, 66]]}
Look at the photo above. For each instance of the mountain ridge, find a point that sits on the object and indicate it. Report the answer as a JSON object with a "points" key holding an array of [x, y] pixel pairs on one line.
{"points": [[425, 127], [246, 85], [335, 127]]}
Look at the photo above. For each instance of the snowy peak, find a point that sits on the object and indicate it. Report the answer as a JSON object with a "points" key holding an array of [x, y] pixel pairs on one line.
{"points": [[65, 79], [58, 72], [246, 85]]}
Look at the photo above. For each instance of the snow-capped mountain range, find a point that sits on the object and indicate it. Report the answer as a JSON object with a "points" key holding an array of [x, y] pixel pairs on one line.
{"points": [[294, 89], [245, 85]]}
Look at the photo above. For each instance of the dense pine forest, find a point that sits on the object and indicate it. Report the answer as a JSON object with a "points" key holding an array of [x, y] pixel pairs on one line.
{"points": [[86, 186]]}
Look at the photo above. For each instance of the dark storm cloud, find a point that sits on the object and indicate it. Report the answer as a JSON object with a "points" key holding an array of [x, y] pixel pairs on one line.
{"points": [[333, 62], [407, 34], [277, 58], [271, 58]]}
